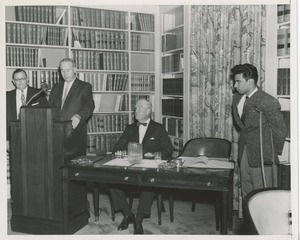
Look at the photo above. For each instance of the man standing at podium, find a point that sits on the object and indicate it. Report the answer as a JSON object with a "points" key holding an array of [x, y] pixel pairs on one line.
{"points": [[74, 98], [19, 97]]}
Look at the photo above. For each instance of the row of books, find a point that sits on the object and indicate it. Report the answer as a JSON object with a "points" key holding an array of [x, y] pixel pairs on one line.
{"points": [[172, 63], [36, 34], [283, 12], [107, 123], [95, 60], [173, 126], [171, 41], [105, 81], [103, 141], [35, 78], [100, 18], [23, 57], [111, 102], [142, 82], [142, 42], [283, 81], [178, 146], [40, 14], [142, 22], [172, 107], [287, 118], [173, 86], [283, 41], [86, 38]]}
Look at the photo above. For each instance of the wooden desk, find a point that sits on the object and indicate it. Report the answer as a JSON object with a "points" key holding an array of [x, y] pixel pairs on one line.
{"points": [[220, 180]]}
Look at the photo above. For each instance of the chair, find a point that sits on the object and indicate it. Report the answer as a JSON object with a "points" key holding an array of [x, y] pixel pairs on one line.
{"points": [[131, 195], [209, 147], [268, 211]]}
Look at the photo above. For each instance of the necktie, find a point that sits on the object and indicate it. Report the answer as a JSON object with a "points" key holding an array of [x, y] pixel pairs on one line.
{"points": [[244, 110], [65, 93], [23, 97], [139, 123]]}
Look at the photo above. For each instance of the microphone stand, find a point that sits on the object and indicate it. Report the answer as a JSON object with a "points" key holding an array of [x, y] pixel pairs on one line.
{"points": [[44, 89]]}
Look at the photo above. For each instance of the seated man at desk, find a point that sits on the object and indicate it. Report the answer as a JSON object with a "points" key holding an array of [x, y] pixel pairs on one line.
{"points": [[154, 138]]}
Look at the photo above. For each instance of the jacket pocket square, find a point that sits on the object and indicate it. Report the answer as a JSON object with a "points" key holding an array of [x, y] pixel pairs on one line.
{"points": [[151, 138], [34, 104]]}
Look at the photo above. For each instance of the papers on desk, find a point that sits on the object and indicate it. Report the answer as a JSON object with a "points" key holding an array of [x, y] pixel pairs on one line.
{"points": [[146, 163], [121, 162], [205, 162]]}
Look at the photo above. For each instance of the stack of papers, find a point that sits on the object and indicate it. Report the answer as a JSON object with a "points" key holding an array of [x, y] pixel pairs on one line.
{"points": [[146, 163], [206, 162]]}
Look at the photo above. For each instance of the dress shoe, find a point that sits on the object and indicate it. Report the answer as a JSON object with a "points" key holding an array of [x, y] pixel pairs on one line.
{"points": [[138, 227], [126, 221]]}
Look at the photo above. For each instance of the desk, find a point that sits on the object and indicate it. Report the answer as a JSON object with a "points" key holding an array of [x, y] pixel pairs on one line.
{"points": [[220, 180]]}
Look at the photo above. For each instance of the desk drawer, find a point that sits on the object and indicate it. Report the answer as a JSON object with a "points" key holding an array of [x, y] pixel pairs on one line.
{"points": [[104, 176], [185, 183]]}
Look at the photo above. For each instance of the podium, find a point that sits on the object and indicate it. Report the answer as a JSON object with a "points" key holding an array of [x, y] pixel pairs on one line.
{"points": [[39, 147]]}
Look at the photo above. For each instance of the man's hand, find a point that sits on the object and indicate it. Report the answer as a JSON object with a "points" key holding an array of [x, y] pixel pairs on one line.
{"points": [[149, 155], [75, 120]]}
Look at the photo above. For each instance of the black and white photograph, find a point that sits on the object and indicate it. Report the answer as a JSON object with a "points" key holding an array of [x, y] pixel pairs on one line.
{"points": [[167, 118]]}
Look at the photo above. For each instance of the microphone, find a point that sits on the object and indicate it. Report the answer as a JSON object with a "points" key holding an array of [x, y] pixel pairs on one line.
{"points": [[45, 88]]}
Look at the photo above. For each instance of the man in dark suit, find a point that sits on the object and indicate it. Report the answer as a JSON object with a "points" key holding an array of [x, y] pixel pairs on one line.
{"points": [[252, 106], [154, 138], [21, 96], [74, 98]]}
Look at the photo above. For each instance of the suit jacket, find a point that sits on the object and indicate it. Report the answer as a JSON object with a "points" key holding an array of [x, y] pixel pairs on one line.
{"points": [[272, 121], [11, 105], [79, 101], [156, 139]]}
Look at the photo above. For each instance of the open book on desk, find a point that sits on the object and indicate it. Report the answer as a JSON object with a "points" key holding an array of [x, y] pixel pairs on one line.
{"points": [[146, 163], [206, 162]]}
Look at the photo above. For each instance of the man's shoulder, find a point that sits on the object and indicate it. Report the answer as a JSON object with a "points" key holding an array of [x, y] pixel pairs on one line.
{"points": [[264, 96], [10, 92]]}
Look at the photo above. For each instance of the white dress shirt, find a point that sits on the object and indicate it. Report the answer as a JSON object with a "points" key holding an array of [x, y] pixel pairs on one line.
{"points": [[142, 131], [242, 101], [69, 85], [18, 99]]}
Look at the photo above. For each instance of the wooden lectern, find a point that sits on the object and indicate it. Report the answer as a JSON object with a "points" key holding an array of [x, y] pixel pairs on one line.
{"points": [[38, 150]]}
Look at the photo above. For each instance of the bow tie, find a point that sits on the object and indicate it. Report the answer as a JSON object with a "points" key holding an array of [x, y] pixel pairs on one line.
{"points": [[139, 123]]}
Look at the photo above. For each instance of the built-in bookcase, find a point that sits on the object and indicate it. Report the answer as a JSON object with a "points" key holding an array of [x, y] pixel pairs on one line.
{"points": [[173, 74], [283, 70], [283, 88], [114, 50]]}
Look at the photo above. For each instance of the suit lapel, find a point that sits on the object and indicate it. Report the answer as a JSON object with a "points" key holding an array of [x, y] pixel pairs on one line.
{"points": [[14, 103], [71, 91], [150, 130]]}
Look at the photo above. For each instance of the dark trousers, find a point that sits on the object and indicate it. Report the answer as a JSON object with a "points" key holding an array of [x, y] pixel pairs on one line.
{"points": [[120, 202]]}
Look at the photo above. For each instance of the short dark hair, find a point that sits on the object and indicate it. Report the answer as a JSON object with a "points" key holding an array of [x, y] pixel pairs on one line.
{"points": [[18, 71], [68, 60], [248, 71]]}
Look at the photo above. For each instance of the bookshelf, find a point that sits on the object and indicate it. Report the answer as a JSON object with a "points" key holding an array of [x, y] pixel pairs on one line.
{"points": [[36, 39], [114, 48], [283, 87], [174, 72]]}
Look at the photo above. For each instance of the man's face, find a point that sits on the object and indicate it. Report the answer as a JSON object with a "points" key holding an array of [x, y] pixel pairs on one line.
{"points": [[241, 84], [142, 111], [20, 80], [67, 71]]}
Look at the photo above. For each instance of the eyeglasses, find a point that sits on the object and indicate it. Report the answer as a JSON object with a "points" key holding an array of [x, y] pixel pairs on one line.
{"points": [[20, 79]]}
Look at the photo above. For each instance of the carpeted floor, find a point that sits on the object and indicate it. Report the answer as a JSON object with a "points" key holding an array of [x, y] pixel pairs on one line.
{"points": [[201, 221]]}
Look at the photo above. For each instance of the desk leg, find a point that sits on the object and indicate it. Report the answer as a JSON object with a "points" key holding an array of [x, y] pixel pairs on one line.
{"points": [[65, 200], [96, 201], [230, 207], [224, 212]]}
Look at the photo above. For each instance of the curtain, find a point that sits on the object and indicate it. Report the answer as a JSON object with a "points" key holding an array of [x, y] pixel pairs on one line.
{"points": [[221, 37]]}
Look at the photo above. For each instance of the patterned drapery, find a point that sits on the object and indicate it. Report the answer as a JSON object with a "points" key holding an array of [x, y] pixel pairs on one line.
{"points": [[221, 37]]}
